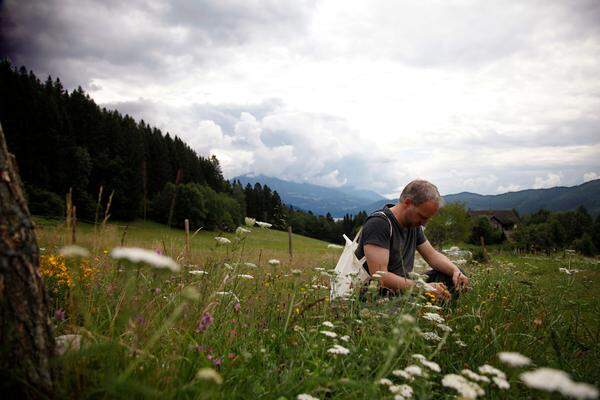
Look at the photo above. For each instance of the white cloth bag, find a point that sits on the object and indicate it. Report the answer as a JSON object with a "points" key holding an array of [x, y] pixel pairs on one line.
{"points": [[349, 271]]}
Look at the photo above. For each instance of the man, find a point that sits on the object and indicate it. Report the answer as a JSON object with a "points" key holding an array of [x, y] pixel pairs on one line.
{"points": [[419, 201]]}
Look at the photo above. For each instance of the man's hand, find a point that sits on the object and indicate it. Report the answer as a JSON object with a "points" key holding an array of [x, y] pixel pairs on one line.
{"points": [[460, 280], [440, 291]]}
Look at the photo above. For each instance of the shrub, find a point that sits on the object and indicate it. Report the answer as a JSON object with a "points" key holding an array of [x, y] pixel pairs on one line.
{"points": [[44, 202]]}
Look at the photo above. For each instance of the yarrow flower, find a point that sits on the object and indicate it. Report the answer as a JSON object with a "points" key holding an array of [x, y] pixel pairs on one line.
{"points": [[475, 376], [245, 276], [345, 338], [501, 383], [222, 240], [431, 336], [444, 327], [434, 317], [514, 359], [328, 324], [265, 225], [466, 388], [402, 374], [138, 255], [413, 370], [554, 380], [274, 262], [242, 231], [489, 370], [329, 334], [337, 349], [251, 265], [404, 390], [249, 221], [209, 374], [74, 251], [305, 396], [385, 382], [334, 246], [198, 272]]}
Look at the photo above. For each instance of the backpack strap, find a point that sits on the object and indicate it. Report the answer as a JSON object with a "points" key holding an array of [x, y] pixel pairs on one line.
{"points": [[388, 219]]}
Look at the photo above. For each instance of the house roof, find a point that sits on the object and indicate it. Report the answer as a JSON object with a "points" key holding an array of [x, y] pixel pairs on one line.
{"points": [[505, 217]]}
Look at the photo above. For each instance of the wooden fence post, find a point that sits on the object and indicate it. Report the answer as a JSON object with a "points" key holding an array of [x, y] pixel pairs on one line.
{"points": [[187, 239], [74, 226], [290, 240]]}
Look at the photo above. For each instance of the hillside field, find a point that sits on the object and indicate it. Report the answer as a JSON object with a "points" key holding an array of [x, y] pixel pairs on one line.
{"points": [[221, 328]]}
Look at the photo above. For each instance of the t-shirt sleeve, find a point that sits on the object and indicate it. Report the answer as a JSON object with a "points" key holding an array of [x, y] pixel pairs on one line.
{"points": [[376, 231], [421, 238]]}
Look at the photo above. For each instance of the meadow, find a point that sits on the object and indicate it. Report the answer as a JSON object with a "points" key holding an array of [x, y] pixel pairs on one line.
{"points": [[245, 320]]}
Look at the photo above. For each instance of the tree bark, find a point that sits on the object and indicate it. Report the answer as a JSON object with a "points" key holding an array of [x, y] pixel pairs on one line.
{"points": [[26, 337]]}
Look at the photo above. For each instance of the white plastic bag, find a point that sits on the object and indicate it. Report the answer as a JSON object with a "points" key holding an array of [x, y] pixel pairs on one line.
{"points": [[349, 271]]}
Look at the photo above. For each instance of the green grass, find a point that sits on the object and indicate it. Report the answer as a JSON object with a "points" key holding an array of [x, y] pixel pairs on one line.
{"points": [[141, 339]]}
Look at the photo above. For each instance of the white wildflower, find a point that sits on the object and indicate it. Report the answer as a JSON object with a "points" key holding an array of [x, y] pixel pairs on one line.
{"points": [[385, 381], [228, 266], [328, 324], [242, 231], [198, 272], [251, 265], [489, 370], [305, 396], [222, 240], [209, 374], [74, 251], [329, 334], [407, 319], [319, 269], [514, 359], [249, 221], [264, 224], [403, 390], [296, 272], [413, 370], [444, 327], [433, 307], [245, 276], [431, 336], [432, 365], [345, 338], [138, 255], [475, 376], [334, 246], [466, 388], [402, 374], [552, 380], [419, 357], [460, 343], [337, 349], [274, 262], [434, 317], [501, 383], [65, 343]]}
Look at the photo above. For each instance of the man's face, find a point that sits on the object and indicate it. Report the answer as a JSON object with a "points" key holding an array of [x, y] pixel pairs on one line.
{"points": [[419, 215]]}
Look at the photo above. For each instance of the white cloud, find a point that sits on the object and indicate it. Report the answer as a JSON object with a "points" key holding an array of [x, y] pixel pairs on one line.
{"points": [[508, 188], [590, 176], [550, 180], [352, 92]]}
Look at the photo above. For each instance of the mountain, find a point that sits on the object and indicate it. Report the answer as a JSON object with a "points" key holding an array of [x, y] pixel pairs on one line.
{"points": [[559, 198], [318, 199]]}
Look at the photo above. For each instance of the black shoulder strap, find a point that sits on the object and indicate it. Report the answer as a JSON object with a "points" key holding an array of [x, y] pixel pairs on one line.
{"points": [[388, 219]]}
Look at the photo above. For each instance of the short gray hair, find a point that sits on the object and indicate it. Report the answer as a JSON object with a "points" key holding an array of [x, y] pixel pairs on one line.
{"points": [[420, 191]]}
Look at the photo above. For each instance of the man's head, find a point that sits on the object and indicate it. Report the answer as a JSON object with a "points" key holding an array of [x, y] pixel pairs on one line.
{"points": [[419, 201]]}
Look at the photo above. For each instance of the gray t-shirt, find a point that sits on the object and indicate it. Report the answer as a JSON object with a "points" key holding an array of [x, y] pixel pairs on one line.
{"points": [[376, 231]]}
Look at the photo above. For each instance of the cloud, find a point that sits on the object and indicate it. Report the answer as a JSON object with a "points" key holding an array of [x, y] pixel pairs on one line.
{"points": [[489, 97], [590, 176], [550, 180], [508, 188]]}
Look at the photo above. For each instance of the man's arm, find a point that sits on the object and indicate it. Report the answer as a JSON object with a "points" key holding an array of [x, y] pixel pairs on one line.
{"points": [[377, 260], [441, 263]]}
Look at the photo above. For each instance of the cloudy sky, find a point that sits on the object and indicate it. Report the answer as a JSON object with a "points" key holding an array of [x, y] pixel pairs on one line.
{"points": [[483, 96]]}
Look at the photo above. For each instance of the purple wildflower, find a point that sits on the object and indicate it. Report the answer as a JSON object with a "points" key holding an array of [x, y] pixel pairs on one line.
{"points": [[59, 314], [205, 322]]}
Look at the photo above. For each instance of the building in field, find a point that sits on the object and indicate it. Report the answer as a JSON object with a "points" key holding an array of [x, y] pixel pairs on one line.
{"points": [[505, 220]]}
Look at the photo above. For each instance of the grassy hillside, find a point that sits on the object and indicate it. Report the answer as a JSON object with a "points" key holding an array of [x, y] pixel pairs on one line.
{"points": [[239, 331]]}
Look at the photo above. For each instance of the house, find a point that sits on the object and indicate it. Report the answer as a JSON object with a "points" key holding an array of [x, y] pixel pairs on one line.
{"points": [[506, 220]]}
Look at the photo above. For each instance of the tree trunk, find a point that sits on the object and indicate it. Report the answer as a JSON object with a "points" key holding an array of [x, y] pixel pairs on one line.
{"points": [[26, 337]]}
